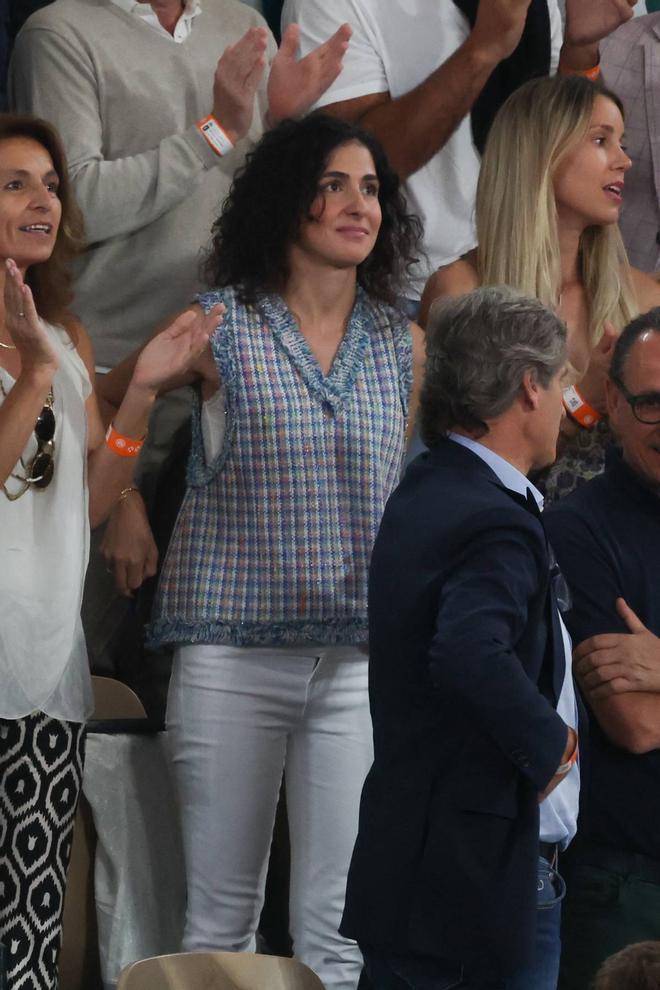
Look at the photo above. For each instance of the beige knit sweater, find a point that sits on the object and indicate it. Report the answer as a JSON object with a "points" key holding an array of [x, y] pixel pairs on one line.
{"points": [[125, 100]]}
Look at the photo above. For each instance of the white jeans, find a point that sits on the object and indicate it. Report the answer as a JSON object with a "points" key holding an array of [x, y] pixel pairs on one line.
{"points": [[237, 718]]}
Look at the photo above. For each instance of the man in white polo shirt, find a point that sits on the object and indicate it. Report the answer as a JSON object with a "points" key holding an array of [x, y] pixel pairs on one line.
{"points": [[416, 68]]}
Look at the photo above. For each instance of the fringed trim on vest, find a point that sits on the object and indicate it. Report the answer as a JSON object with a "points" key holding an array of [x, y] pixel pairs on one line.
{"points": [[327, 632]]}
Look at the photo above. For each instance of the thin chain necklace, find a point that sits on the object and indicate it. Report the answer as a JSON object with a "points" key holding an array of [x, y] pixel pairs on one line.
{"points": [[8, 347]]}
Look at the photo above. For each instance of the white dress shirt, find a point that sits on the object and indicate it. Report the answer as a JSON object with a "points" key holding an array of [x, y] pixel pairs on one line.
{"points": [[559, 811], [145, 12]]}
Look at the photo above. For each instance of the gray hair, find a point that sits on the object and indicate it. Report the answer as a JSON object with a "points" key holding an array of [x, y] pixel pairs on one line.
{"points": [[478, 348]]}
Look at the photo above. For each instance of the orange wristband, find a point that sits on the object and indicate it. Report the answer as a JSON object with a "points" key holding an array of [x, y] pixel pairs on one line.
{"points": [[580, 410], [119, 444], [215, 135], [570, 762], [593, 74]]}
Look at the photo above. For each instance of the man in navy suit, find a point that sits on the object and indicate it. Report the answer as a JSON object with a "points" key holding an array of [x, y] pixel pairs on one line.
{"points": [[452, 882]]}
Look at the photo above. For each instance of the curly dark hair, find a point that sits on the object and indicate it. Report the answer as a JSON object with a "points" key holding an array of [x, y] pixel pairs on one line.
{"points": [[271, 197], [637, 967], [50, 280]]}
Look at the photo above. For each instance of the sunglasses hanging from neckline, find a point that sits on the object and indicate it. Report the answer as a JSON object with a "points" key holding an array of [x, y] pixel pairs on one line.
{"points": [[38, 471]]}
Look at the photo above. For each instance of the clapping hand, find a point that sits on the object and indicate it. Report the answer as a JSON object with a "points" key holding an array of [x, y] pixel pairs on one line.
{"points": [[24, 325], [616, 663], [172, 357], [587, 23], [294, 85], [237, 76]]}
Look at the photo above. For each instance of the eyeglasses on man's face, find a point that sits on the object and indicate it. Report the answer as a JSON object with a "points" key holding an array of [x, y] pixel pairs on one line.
{"points": [[645, 406]]}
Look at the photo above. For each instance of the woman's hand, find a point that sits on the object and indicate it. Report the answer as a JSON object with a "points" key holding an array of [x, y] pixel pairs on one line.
{"points": [[23, 324], [128, 544], [173, 357], [592, 386]]}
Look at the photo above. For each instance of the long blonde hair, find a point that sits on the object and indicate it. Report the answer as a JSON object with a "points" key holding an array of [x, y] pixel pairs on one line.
{"points": [[516, 212]]}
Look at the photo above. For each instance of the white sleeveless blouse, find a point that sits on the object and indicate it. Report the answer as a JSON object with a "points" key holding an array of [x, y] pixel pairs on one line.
{"points": [[44, 549]]}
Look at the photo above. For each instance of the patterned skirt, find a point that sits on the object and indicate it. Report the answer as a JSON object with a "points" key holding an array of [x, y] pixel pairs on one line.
{"points": [[41, 764]]}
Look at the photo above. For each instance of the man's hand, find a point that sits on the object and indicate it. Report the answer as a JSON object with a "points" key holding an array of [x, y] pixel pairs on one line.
{"points": [[615, 663], [236, 80], [128, 545], [294, 85], [499, 27], [587, 23]]}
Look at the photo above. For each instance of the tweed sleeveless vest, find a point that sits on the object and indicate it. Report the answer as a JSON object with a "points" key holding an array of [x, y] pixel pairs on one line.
{"points": [[273, 540]]}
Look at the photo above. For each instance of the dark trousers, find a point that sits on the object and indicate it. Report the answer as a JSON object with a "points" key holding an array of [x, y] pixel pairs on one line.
{"points": [[613, 899], [392, 972]]}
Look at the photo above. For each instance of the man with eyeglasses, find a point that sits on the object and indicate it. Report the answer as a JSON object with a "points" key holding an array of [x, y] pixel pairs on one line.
{"points": [[607, 539]]}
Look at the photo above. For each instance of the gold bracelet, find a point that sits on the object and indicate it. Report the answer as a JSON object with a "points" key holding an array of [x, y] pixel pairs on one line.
{"points": [[125, 492]]}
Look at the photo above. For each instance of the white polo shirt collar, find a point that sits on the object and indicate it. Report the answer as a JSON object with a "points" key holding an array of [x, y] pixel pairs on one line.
{"points": [[145, 12]]}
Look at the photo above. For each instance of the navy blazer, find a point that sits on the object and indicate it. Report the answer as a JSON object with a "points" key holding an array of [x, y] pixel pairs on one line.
{"points": [[466, 664]]}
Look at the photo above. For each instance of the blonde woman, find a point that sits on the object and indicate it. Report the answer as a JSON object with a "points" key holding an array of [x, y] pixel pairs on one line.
{"points": [[548, 202]]}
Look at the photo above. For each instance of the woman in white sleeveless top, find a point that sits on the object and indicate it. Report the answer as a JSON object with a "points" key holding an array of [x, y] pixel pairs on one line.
{"points": [[58, 471]]}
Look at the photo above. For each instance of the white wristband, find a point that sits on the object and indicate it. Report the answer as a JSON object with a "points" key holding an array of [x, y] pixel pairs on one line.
{"points": [[579, 409], [572, 399], [214, 135]]}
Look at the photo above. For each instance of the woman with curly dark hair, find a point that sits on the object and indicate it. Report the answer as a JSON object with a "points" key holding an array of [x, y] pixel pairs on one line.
{"points": [[298, 444]]}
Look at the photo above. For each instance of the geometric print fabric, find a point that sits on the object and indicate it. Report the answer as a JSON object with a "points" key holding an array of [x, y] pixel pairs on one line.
{"points": [[41, 764]]}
